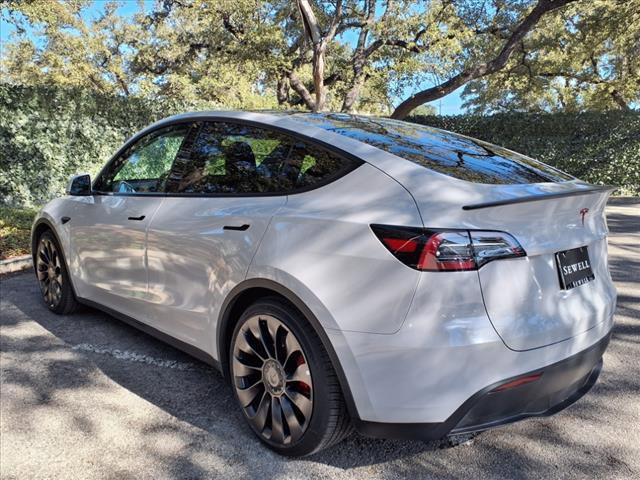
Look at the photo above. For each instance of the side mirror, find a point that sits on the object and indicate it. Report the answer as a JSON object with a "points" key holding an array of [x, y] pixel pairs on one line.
{"points": [[79, 185]]}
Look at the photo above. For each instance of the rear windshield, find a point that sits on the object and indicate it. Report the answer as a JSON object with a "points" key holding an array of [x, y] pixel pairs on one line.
{"points": [[445, 152]]}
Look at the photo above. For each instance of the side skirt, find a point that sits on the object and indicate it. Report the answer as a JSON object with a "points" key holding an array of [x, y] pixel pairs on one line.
{"points": [[154, 332]]}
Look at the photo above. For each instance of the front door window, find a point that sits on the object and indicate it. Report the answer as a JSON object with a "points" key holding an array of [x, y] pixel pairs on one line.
{"points": [[144, 167]]}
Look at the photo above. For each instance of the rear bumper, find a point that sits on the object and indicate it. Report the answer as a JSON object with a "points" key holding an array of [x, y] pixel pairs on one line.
{"points": [[560, 385]]}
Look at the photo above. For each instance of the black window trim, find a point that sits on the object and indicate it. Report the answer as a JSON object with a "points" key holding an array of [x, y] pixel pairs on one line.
{"points": [[354, 160]]}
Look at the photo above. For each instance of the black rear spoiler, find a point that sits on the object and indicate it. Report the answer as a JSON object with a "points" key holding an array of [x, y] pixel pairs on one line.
{"points": [[535, 198]]}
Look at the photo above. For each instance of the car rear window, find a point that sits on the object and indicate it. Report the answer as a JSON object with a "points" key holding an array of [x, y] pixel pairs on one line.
{"points": [[444, 152]]}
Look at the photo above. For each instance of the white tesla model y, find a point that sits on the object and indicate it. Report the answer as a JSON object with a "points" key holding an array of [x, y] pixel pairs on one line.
{"points": [[344, 271]]}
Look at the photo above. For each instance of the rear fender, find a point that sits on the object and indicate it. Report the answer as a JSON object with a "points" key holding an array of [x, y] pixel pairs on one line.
{"points": [[333, 340]]}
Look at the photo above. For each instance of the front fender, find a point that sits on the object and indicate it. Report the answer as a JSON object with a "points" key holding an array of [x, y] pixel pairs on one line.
{"points": [[49, 217]]}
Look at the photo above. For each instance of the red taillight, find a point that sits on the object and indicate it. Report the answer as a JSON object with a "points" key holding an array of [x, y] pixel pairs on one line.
{"points": [[446, 250], [400, 245], [517, 382]]}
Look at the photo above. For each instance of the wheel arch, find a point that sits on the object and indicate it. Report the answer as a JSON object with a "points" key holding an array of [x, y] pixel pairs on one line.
{"points": [[39, 227], [251, 290]]}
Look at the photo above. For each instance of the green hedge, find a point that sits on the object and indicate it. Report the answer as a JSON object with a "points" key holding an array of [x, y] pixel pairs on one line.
{"points": [[46, 134], [598, 147]]}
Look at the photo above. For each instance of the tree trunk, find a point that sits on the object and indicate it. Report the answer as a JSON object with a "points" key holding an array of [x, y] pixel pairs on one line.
{"points": [[282, 91], [352, 96], [320, 43], [301, 90], [359, 58], [318, 78]]}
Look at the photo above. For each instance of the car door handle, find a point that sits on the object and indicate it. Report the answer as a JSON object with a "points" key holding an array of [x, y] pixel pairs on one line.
{"points": [[240, 228], [141, 217]]}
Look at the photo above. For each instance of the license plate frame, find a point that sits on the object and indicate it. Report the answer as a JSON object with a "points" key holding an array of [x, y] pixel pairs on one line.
{"points": [[574, 267]]}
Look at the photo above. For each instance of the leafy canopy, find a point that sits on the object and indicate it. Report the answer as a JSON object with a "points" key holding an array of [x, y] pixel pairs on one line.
{"points": [[351, 55], [587, 57]]}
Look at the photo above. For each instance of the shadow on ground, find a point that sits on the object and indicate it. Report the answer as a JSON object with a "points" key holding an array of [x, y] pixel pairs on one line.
{"points": [[85, 367]]}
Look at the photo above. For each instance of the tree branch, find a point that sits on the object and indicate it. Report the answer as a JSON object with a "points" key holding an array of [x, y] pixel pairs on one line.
{"points": [[328, 81], [482, 69], [618, 98], [360, 56], [235, 30], [333, 28], [301, 90]]}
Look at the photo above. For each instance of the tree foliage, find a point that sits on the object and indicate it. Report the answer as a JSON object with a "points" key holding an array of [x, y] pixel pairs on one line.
{"points": [[49, 133], [575, 142], [348, 55], [587, 57]]}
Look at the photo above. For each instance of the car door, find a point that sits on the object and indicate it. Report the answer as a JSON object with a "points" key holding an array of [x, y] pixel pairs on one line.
{"points": [[220, 199], [108, 228]]}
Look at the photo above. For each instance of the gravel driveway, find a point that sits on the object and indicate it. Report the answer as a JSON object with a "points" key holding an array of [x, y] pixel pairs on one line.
{"points": [[86, 396]]}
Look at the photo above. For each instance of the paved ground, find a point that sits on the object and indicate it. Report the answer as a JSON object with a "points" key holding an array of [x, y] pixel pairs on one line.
{"points": [[86, 397]]}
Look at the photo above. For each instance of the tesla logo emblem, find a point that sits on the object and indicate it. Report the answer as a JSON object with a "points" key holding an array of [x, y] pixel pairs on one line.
{"points": [[583, 213]]}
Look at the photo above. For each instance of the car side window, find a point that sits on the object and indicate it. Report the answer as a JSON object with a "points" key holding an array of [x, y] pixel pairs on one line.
{"points": [[229, 158], [144, 167]]}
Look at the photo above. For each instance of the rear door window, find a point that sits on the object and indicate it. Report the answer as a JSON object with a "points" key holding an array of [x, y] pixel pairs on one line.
{"points": [[228, 158]]}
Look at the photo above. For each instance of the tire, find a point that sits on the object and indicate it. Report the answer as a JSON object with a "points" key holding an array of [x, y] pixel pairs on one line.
{"points": [[52, 275], [284, 382]]}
